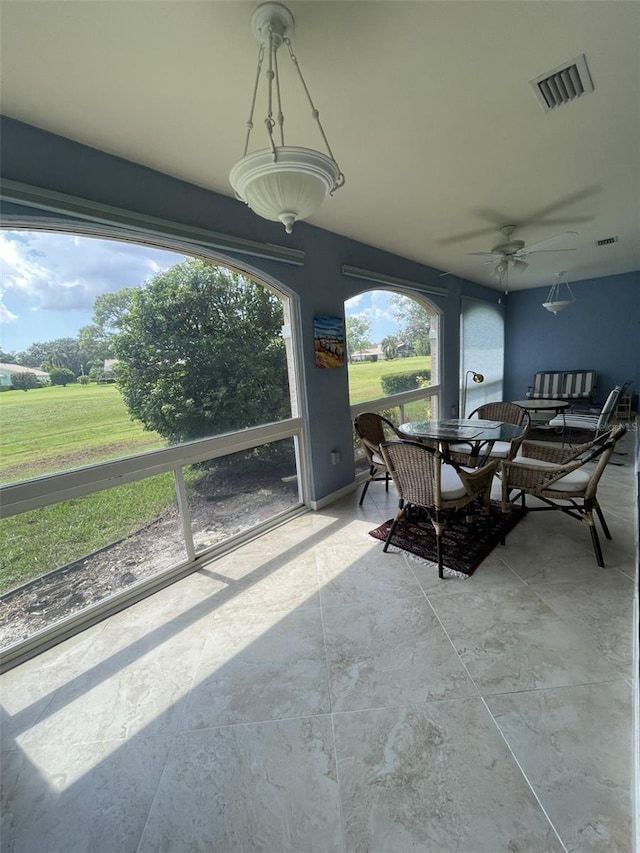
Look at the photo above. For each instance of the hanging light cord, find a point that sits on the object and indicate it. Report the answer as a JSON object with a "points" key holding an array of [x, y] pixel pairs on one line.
{"points": [[253, 99], [273, 74], [315, 113]]}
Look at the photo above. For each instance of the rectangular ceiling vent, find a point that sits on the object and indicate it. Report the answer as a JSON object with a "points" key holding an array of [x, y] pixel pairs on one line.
{"points": [[607, 241], [565, 83]]}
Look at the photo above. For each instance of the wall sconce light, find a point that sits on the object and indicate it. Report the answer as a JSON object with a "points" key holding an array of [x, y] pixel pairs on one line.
{"points": [[478, 378]]}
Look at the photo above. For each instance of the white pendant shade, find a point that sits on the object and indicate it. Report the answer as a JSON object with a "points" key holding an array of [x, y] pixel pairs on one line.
{"points": [[560, 305], [286, 185], [555, 302]]}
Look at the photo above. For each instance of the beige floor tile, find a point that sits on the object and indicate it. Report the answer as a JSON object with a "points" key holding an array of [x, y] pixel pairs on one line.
{"points": [[389, 656], [574, 745], [511, 640], [264, 787], [434, 778]]}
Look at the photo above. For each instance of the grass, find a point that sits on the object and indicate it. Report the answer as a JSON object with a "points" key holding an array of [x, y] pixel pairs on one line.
{"points": [[36, 542], [54, 429], [365, 376]]}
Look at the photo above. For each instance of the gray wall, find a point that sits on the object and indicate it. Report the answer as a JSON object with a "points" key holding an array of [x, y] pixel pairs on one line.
{"points": [[601, 331], [44, 160]]}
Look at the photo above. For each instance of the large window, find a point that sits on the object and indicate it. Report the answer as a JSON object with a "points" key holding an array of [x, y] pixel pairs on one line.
{"points": [[394, 357], [149, 418]]}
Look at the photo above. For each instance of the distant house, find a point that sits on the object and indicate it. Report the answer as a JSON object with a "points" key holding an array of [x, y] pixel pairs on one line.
{"points": [[375, 353], [7, 369], [406, 350], [109, 374]]}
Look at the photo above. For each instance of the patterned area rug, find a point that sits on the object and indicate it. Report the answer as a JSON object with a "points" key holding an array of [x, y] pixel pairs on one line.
{"points": [[465, 546]]}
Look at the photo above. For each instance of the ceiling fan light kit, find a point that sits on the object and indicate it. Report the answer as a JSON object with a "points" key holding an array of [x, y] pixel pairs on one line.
{"points": [[282, 182], [514, 253], [555, 302]]}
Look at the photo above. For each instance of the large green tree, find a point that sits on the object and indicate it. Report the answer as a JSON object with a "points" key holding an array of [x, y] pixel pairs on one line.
{"points": [[414, 323], [358, 329], [96, 339], [200, 352]]}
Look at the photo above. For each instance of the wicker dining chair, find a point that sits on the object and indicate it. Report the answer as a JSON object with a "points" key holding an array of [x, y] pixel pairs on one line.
{"points": [[560, 479], [372, 429], [423, 479], [508, 413]]}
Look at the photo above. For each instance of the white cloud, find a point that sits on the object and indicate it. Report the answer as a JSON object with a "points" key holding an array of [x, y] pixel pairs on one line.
{"points": [[62, 272], [6, 316]]}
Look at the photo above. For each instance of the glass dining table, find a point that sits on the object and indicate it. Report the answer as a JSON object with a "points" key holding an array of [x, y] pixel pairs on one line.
{"points": [[480, 435]]}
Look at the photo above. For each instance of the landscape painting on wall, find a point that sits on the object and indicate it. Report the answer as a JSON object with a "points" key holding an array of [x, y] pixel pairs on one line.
{"points": [[329, 343]]}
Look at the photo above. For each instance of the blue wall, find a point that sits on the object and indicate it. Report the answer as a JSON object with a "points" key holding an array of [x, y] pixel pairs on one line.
{"points": [[44, 160], [600, 331]]}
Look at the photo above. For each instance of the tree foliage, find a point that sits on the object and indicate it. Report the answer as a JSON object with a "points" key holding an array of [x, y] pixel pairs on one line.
{"points": [[390, 347], [61, 376], [414, 323], [200, 352], [358, 329], [96, 339], [62, 352], [24, 380]]}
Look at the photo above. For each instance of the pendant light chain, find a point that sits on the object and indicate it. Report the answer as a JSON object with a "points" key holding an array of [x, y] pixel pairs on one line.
{"points": [[269, 122], [315, 113], [253, 99], [278, 97]]}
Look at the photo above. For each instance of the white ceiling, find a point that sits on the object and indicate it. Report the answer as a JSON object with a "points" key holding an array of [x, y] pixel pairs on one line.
{"points": [[427, 106]]}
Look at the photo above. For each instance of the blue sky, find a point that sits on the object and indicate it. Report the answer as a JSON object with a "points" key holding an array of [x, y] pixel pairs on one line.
{"points": [[49, 283]]}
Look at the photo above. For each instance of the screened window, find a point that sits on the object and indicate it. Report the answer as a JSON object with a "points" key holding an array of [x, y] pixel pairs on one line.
{"points": [[482, 351]]}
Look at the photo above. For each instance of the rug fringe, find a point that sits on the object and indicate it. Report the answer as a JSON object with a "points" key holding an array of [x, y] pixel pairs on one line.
{"points": [[446, 571]]}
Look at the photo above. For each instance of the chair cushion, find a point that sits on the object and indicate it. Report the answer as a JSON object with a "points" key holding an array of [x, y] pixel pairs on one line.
{"points": [[500, 450], [575, 421], [450, 484], [574, 481], [463, 447]]}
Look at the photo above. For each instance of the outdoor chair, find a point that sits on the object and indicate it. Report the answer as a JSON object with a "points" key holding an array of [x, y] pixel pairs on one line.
{"points": [[507, 413], [562, 479], [594, 423], [424, 480], [372, 429]]}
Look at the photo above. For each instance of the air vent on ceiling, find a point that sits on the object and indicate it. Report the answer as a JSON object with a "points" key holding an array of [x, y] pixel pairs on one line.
{"points": [[563, 84], [607, 241]]}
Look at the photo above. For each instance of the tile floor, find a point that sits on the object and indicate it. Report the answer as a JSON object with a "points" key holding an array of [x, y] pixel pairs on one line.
{"points": [[310, 693]]}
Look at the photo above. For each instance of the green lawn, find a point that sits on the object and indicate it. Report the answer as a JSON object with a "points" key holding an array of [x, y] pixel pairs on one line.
{"points": [[364, 376], [54, 429]]}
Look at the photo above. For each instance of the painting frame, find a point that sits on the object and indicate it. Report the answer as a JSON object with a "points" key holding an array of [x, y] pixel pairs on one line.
{"points": [[329, 341]]}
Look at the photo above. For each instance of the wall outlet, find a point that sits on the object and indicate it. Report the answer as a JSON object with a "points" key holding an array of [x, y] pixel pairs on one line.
{"points": [[335, 457]]}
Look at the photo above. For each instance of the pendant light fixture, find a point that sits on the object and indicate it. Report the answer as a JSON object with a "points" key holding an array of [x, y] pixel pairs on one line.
{"points": [[558, 300], [281, 182]]}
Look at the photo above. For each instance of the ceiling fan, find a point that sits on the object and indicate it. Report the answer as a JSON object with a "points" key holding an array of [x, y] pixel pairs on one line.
{"points": [[514, 253]]}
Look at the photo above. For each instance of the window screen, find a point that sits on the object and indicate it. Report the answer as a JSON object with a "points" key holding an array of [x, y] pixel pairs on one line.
{"points": [[482, 351]]}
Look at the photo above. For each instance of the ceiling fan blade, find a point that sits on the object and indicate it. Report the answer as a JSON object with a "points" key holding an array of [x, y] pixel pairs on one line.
{"points": [[546, 251], [553, 237], [485, 254], [519, 264]]}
